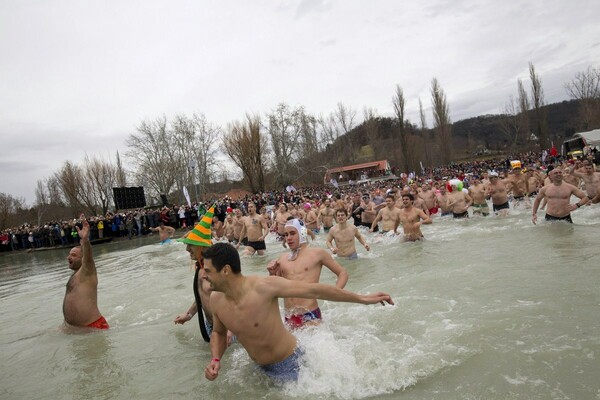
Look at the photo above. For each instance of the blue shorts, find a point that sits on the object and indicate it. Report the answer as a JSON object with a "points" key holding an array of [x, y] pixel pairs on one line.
{"points": [[167, 240], [286, 370], [352, 256]]}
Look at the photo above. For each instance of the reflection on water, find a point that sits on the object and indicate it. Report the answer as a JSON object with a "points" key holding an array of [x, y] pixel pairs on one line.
{"points": [[485, 308]]}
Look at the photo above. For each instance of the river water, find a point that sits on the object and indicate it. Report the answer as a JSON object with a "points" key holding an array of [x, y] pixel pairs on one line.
{"points": [[493, 308]]}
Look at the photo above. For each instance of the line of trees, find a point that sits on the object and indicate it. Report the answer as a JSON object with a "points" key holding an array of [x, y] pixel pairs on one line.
{"points": [[288, 145]]}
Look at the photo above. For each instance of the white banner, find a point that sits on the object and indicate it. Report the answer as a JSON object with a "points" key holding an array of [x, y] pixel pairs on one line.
{"points": [[187, 196]]}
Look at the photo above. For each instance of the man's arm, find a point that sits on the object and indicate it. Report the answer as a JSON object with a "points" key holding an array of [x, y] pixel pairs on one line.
{"points": [[536, 204], [329, 262], [218, 345], [361, 239], [88, 267], [185, 317], [329, 241], [377, 219], [281, 287], [425, 219]]}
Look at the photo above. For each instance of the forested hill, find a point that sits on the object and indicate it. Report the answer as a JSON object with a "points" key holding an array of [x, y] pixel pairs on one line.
{"points": [[380, 138], [561, 119]]}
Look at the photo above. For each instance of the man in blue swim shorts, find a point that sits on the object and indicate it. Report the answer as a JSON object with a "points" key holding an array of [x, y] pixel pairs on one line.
{"points": [[249, 307]]}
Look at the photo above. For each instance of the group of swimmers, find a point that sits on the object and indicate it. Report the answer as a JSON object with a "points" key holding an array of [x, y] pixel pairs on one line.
{"points": [[233, 307]]}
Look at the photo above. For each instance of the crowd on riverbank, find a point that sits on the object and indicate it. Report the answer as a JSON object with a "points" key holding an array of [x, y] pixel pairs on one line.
{"points": [[132, 223]]}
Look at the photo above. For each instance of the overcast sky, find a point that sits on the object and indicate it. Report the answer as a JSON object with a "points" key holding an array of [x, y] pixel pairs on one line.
{"points": [[78, 76]]}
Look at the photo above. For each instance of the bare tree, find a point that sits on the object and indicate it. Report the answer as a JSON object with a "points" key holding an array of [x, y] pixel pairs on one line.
{"points": [[247, 146], [151, 151], [285, 130], [399, 103], [509, 124], [9, 207], [537, 100], [585, 87], [345, 117], [523, 134], [371, 124], [424, 134], [442, 124], [42, 200], [99, 177], [120, 174]]}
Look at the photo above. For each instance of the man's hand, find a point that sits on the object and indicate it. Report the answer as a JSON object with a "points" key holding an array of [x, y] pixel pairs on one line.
{"points": [[212, 370], [84, 233], [182, 318], [534, 218], [273, 267], [378, 297]]}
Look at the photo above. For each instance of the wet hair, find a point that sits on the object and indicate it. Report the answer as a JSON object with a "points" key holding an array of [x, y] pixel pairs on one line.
{"points": [[410, 196], [221, 254], [390, 196], [341, 210]]}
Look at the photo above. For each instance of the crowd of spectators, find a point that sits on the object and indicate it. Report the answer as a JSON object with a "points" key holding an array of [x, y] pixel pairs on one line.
{"points": [[138, 222]]}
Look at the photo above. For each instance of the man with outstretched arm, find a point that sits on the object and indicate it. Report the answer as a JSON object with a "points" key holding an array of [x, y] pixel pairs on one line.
{"points": [[80, 305], [249, 307]]}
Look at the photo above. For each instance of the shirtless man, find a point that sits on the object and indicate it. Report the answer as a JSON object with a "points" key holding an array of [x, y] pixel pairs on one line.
{"points": [[518, 185], [326, 215], [459, 201], [591, 180], [534, 181], [412, 218], [498, 194], [255, 229], [478, 193], [281, 217], [558, 196], [165, 233], [390, 216], [369, 213], [442, 200], [304, 264], [344, 234], [218, 229], [311, 220], [428, 196], [228, 228], [249, 307], [238, 224], [80, 305]]}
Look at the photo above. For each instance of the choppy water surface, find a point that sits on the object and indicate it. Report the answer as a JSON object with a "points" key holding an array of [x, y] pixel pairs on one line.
{"points": [[489, 308]]}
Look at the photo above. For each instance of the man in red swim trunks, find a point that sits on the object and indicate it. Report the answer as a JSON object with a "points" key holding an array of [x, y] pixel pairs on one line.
{"points": [[304, 264], [80, 306]]}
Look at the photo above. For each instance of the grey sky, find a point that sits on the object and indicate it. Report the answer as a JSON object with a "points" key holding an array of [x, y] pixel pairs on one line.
{"points": [[78, 76]]}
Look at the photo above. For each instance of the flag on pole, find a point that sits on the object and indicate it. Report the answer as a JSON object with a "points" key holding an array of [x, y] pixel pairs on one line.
{"points": [[187, 196]]}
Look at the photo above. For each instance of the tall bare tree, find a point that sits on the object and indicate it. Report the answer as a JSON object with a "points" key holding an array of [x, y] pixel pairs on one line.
{"points": [[285, 130], [442, 123], [425, 135], [524, 107], [151, 149], [537, 101], [345, 116], [246, 146], [509, 124], [399, 103], [585, 87], [120, 173]]}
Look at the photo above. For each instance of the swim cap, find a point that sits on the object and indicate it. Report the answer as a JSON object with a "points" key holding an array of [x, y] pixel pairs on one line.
{"points": [[454, 182], [298, 226], [493, 174], [515, 164], [307, 206]]}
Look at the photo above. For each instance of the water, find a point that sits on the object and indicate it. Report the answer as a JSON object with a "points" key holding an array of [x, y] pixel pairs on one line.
{"points": [[492, 308]]}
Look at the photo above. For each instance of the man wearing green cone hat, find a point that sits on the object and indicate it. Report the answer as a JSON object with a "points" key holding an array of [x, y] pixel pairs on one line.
{"points": [[197, 240]]}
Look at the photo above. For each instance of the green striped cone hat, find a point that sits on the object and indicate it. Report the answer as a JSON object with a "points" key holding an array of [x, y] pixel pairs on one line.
{"points": [[201, 235]]}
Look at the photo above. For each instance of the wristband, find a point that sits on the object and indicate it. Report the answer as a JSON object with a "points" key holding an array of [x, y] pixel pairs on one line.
{"points": [[216, 359]]}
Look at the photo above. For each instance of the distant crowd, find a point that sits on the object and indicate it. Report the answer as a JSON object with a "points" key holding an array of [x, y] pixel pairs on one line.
{"points": [[135, 223]]}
